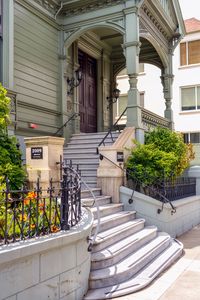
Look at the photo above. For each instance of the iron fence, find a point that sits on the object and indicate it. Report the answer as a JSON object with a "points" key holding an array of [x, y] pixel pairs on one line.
{"points": [[171, 188], [26, 214]]}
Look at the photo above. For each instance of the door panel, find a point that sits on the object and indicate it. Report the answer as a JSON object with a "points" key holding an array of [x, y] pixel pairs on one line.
{"points": [[88, 94]]}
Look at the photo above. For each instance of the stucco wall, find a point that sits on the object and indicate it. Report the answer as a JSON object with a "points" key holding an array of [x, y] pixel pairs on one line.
{"points": [[54, 267], [187, 211]]}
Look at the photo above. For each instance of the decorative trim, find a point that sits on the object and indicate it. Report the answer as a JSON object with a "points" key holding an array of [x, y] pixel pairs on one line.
{"points": [[39, 108], [38, 12], [81, 9]]}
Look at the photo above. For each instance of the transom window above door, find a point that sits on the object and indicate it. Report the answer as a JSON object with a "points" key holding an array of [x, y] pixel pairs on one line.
{"points": [[190, 98]]}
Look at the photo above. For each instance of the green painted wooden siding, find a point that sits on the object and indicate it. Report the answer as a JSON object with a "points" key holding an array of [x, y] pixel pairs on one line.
{"points": [[36, 73]]}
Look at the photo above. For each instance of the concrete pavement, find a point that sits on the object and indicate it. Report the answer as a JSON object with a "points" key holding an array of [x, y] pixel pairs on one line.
{"points": [[182, 280]]}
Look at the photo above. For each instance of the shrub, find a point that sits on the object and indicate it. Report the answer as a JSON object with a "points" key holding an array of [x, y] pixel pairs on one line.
{"points": [[10, 155], [164, 154]]}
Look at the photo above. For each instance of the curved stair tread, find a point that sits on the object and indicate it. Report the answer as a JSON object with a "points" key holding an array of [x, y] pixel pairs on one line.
{"points": [[105, 207], [103, 235], [133, 260], [142, 278], [115, 216], [121, 245]]}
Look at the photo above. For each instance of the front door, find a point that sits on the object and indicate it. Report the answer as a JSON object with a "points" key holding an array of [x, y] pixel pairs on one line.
{"points": [[88, 93]]}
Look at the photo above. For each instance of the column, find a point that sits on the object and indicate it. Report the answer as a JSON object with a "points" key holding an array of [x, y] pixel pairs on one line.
{"points": [[132, 49], [167, 79]]}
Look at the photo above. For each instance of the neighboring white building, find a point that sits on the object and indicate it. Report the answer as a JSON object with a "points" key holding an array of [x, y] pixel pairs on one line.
{"points": [[186, 87]]}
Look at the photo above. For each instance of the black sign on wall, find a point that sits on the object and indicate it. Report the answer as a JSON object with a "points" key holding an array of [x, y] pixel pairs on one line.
{"points": [[120, 156], [36, 153]]}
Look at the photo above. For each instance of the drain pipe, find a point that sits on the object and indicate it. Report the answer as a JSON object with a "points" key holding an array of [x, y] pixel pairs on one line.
{"points": [[61, 6]]}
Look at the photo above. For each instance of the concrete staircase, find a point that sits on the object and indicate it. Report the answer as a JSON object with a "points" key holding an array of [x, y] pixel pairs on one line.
{"points": [[126, 255], [81, 149]]}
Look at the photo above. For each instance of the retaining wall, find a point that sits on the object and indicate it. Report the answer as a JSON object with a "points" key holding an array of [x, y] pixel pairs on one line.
{"points": [[52, 267]]}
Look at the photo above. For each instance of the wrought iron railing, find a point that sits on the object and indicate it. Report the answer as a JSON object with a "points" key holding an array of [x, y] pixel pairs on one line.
{"points": [[26, 214], [129, 174], [115, 126], [73, 117]]}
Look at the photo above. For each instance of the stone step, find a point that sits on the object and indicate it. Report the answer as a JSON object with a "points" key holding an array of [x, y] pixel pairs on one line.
{"points": [[89, 177], [114, 220], [86, 193], [91, 160], [114, 253], [79, 150], [92, 136], [107, 209], [88, 145], [113, 235], [90, 184], [130, 265], [83, 164], [142, 278], [101, 200]]}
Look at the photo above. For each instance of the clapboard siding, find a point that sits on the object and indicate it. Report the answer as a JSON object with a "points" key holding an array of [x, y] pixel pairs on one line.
{"points": [[36, 70]]}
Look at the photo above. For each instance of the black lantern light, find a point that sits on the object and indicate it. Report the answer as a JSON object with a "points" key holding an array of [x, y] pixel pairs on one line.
{"points": [[113, 98], [74, 81]]}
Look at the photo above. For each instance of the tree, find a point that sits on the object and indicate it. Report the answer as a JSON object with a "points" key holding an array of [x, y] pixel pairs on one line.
{"points": [[10, 155]]}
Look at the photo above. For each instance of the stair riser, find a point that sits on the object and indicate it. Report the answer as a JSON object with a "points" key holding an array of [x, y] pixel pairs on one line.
{"points": [[85, 161], [87, 194], [82, 156], [88, 178], [79, 151], [108, 211], [110, 224], [95, 265], [97, 136], [127, 274], [89, 141], [89, 202], [117, 237]]}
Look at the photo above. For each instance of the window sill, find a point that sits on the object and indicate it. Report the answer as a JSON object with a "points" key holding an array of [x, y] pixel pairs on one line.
{"points": [[189, 66], [189, 112]]}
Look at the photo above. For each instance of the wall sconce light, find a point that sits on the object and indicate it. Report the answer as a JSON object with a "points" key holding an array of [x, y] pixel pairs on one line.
{"points": [[74, 81], [113, 98]]}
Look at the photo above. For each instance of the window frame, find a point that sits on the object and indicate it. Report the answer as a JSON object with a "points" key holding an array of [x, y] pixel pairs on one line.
{"points": [[196, 86], [187, 53]]}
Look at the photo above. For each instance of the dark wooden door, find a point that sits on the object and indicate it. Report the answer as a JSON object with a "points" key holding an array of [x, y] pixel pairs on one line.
{"points": [[88, 93]]}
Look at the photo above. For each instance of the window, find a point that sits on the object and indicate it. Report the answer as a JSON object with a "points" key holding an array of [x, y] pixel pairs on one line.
{"points": [[191, 137], [190, 98], [189, 53]]}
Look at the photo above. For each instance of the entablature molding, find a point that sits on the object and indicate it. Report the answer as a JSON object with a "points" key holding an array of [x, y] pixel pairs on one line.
{"points": [[42, 14]]}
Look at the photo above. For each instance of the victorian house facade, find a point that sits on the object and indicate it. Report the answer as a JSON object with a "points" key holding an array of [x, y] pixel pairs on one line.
{"points": [[44, 43]]}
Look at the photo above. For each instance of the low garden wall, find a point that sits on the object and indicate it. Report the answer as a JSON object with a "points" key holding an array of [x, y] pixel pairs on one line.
{"points": [[187, 213], [52, 267]]}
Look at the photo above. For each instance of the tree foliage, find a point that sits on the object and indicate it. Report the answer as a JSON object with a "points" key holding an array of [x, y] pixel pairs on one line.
{"points": [[10, 155], [164, 154]]}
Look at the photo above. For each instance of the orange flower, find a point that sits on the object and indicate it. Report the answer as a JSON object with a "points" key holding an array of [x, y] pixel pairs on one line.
{"points": [[26, 201], [54, 228], [32, 226]]}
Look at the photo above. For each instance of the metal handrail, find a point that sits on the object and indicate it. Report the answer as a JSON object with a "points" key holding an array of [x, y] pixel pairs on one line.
{"points": [[110, 131], [73, 117], [165, 200]]}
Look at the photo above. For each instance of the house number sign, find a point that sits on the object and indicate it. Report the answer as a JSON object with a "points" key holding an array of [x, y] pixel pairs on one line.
{"points": [[36, 153], [120, 156]]}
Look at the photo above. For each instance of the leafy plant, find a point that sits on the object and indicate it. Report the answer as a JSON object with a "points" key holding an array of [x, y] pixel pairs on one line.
{"points": [[10, 155], [164, 154]]}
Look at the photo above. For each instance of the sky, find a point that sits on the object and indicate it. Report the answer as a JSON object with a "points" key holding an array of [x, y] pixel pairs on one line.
{"points": [[190, 9]]}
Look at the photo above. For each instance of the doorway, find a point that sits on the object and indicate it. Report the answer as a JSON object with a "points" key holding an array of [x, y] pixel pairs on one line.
{"points": [[88, 93]]}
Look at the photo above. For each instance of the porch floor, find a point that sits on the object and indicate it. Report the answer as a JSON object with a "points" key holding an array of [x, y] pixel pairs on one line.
{"points": [[180, 281]]}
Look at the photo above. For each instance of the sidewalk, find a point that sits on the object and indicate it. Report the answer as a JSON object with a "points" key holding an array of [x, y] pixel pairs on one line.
{"points": [[182, 280]]}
